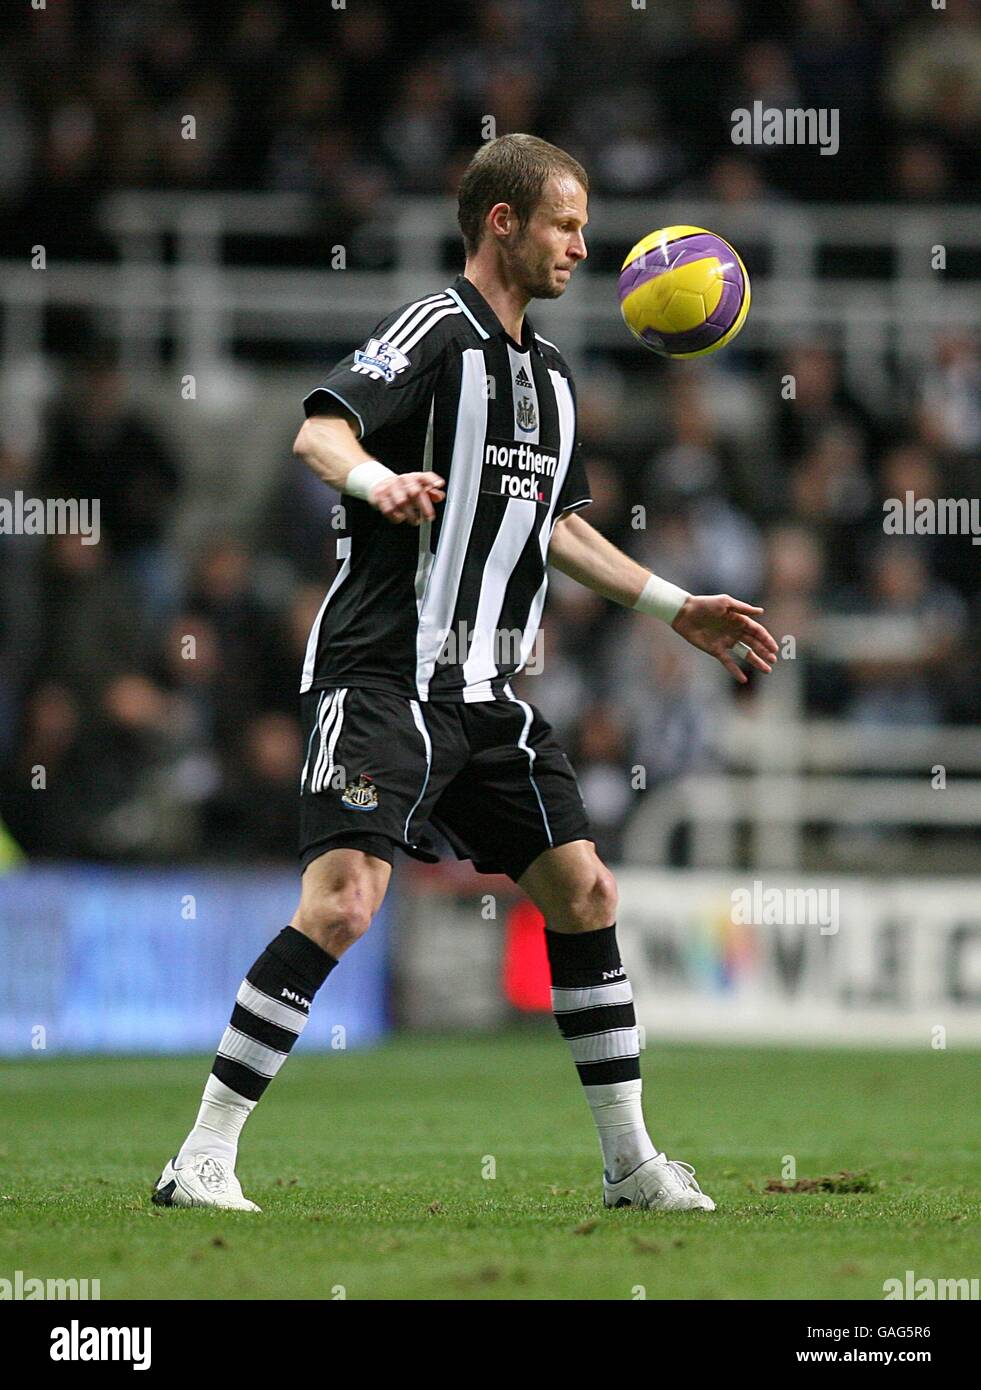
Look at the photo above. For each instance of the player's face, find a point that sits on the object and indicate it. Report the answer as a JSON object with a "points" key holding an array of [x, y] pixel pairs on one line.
{"points": [[548, 248]]}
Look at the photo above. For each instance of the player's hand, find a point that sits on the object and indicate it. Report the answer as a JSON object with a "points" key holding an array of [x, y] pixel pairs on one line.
{"points": [[717, 623], [408, 497]]}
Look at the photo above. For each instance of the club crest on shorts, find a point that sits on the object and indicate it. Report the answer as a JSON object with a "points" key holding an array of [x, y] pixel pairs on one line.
{"points": [[361, 795]]}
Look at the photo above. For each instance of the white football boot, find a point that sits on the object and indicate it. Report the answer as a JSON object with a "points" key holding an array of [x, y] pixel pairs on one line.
{"points": [[202, 1181], [660, 1184]]}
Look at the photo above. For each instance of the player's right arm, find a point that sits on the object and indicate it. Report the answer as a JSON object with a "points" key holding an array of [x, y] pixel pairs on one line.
{"points": [[391, 376], [328, 444]]}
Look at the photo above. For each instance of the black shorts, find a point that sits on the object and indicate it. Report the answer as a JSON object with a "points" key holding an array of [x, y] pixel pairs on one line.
{"points": [[384, 771]]}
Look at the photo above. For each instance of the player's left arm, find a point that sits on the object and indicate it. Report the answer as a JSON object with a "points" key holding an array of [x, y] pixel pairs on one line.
{"points": [[715, 623]]}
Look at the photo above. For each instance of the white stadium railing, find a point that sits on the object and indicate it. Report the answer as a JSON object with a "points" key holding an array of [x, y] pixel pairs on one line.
{"points": [[781, 773], [204, 304]]}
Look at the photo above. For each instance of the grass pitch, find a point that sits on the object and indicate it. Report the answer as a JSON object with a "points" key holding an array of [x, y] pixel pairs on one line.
{"points": [[469, 1169]]}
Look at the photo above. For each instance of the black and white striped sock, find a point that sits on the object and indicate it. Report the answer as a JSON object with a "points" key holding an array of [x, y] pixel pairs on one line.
{"points": [[271, 1010], [594, 1008]]}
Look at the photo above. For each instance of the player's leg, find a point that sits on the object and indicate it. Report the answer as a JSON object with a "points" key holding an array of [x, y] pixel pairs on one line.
{"points": [[374, 763], [594, 1008], [365, 763], [591, 995], [516, 809], [341, 891]]}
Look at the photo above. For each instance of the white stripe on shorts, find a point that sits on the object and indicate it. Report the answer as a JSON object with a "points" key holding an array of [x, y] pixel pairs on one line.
{"points": [[420, 724], [330, 732]]}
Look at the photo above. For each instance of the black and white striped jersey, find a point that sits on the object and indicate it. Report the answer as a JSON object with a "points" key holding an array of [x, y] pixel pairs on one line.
{"points": [[448, 610]]}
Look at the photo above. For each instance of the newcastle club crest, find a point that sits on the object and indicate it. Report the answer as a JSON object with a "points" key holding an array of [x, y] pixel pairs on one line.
{"points": [[361, 795], [525, 413]]}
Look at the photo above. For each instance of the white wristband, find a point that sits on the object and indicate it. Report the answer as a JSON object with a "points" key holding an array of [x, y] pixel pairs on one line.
{"points": [[661, 599], [364, 476]]}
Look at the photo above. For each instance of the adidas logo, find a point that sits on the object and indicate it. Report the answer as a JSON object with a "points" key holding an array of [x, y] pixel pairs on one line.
{"points": [[296, 999], [522, 379]]}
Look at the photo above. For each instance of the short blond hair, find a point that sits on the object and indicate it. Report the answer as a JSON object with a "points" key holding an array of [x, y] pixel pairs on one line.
{"points": [[512, 169]]}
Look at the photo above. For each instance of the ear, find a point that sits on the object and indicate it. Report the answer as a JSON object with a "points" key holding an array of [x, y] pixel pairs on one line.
{"points": [[500, 219]]}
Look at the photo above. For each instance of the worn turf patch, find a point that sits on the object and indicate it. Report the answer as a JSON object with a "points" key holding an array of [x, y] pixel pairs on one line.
{"points": [[837, 1182]]}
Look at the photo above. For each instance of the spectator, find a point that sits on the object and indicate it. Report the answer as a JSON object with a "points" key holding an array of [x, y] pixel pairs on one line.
{"points": [[90, 619], [99, 446], [913, 627], [254, 814], [44, 790]]}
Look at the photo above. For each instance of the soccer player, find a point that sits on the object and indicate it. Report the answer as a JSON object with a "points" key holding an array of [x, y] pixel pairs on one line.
{"points": [[452, 432]]}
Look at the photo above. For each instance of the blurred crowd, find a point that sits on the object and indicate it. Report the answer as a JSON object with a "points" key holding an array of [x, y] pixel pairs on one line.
{"points": [[155, 694], [352, 99], [148, 697], [781, 501]]}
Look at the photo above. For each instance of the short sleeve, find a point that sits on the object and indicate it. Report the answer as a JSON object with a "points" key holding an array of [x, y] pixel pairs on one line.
{"points": [[575, 491], [390, 375]]}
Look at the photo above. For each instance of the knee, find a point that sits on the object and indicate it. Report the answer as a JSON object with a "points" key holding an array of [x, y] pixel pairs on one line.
{"points": [[335, 915], [593, 899]]}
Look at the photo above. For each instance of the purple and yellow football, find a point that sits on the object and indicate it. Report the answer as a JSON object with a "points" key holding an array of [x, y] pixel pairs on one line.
{"points": [[684, 292]]}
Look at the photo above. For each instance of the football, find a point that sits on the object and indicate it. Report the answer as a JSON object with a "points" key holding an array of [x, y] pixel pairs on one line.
{"points": [[684, 292]]}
